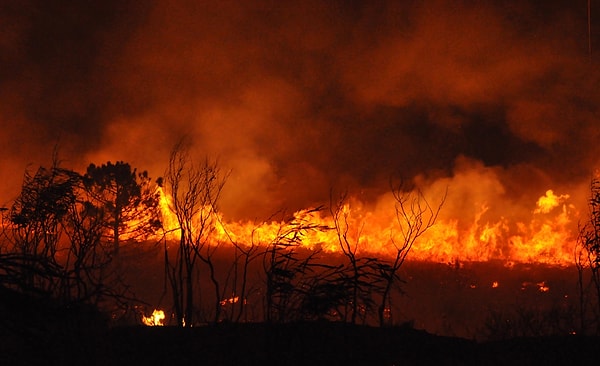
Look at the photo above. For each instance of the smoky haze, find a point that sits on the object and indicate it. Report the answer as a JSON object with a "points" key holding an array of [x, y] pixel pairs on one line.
{"points": [[498, 100]]}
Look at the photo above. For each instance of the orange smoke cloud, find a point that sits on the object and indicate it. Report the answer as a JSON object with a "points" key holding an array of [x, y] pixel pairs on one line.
{"points": [[495, 101]]}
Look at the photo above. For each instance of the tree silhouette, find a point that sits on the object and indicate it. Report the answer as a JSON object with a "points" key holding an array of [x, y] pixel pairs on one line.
{"points": [[53, 246], [195, 191], [36, 226], [289, 270], [414, 216], [589, 255], [361, 277], [284, 271], [128, 199], [245, 252]]}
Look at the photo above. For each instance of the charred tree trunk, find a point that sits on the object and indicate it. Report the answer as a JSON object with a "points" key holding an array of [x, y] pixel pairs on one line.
{"points": [[216, 287]]}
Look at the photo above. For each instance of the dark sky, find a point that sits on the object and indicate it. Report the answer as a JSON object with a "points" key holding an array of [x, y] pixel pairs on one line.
{"points": [[498, 100]]}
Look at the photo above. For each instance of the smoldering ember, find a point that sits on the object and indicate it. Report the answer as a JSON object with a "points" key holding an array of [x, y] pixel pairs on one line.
{"points": [[299, 182]]}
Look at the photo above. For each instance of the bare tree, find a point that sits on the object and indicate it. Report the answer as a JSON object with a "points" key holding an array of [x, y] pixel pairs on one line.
{"points": [[243, 255], [292, 271], [361, 277], [414, 216], [283, 269], [589, 256], [195, 191], [584, 283], [36, 219]]}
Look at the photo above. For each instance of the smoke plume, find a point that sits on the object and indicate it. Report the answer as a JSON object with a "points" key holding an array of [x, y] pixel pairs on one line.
{"points": [[298, 97]]}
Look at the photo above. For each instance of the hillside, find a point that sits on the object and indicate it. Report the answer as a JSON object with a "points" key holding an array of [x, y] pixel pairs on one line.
{"points": [[320, 343]]}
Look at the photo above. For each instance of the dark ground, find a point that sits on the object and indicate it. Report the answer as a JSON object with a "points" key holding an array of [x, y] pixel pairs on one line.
{"points": [[450, 299], [290, 344], [454, 300]]}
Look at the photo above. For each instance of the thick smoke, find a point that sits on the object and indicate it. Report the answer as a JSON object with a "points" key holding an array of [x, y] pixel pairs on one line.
{"points": [[296, 98]]}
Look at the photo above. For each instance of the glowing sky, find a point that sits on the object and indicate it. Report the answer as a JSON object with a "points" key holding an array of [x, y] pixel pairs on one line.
{"points": [[297, 97]]}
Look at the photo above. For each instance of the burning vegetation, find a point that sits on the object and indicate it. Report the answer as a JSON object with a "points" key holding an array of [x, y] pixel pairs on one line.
{"points": [[380, 163], [63, 240]]}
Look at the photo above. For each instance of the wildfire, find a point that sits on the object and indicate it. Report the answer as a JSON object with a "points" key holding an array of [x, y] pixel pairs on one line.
{"points": [[156, 319], [231, 300], [542, 287], [547, 236]]}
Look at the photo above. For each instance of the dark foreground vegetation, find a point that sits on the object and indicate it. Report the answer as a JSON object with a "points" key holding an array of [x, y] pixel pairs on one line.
{"points": [[311, 343], [41, 333]]}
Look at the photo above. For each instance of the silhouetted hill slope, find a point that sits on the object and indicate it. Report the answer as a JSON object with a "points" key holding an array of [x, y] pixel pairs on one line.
{"points": [[318, 343], [290, 344]]}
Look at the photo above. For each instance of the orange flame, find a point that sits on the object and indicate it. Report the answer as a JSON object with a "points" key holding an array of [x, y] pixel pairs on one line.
{"points": [[546, 203], [156, 319], [547, 237], [542, 287], [231, 300]]}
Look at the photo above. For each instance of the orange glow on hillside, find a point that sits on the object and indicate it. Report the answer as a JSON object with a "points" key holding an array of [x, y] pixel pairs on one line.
{"points": [[547, 237]]}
